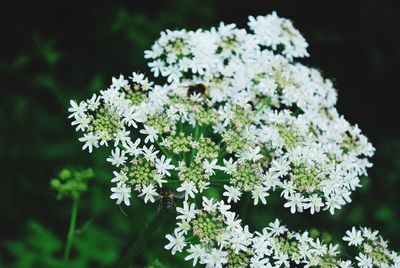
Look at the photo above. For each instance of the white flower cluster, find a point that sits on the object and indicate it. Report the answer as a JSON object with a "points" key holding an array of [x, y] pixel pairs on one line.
{"points": [[238, 114], [235, 109], [373, 249], [214, 236]]}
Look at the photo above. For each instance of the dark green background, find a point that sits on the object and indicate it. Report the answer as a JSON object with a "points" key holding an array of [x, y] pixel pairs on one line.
{"points": [[52, 51]]}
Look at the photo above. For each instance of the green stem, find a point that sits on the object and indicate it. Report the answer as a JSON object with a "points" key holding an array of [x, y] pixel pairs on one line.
{"points": [[195, 138], [139, 245], [167, 153], [265, 102], [244, 206], [222, 151], [71, 232]]}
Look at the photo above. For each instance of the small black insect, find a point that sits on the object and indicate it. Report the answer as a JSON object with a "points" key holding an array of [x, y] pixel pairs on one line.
{"points": [[197, 89], [166, 197]]}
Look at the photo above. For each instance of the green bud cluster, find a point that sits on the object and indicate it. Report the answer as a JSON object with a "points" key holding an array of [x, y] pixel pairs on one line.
{"points": [[238, 260], [228, 43], [194, 173], [71, 183], [281, 79], [106, 123], [179, 143], [288, 245], [242, 118], [349, 144], [378, 252], [207, 226], [328, 261], [178, 46], [206, 117], [206, 148], [135, 93], [246, 177], [140, 172], [234, 141], [161, 123], [305, 178], [290, 138]]}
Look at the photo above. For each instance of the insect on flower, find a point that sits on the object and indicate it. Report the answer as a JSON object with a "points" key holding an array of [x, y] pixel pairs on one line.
{"points": [[197, 89], [167, 196]]}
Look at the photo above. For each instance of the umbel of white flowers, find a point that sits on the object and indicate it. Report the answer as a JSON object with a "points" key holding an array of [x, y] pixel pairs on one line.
{"points": [[236, 112], [213, 235]]}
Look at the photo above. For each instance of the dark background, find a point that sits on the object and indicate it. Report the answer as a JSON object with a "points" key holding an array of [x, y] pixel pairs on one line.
{"points": [[54, 51]]}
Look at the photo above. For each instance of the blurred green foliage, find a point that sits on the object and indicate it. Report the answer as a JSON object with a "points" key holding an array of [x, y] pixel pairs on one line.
{"points": [[57, 51]]}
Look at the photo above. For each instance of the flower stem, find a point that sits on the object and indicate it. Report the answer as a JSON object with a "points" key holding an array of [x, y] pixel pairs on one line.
{"points": [[195, 138], [264, 103], [71, 232], [139, 245], [244, 206]]}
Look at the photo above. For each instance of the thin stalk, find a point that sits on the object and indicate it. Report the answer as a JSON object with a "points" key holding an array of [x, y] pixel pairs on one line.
{"points": [[139, 245], [222, 152], [168, 153], [195, 138], [71, 232], [264, 103], [244, 206]]}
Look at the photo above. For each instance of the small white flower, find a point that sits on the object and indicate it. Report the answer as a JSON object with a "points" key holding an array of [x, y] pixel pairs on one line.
{"points": [[149, 193], [152, 134], [77, 110], [259, 193], [332, 203], [314, 203], [188, 212], [122, 136], [91, 140], [229, 166], [118, 83], [345, 264], [232, 221], [216, 258], [276, 228], [131, 116], [232, 193], [209, 204], [210, 166], [257, 262], [222, 207], [196, 252], [119, 177], [117, 157], [131, 148], [149, 153], [93, 103], [295, 203], [364, 261], [163, 165], [353, 237], [81, 122], [176, 242], [189, 188], [252, 154], [121, 193]]}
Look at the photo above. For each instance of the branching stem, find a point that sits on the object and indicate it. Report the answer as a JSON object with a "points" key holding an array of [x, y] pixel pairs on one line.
{"points": [[139, 245], [71, 232]]}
